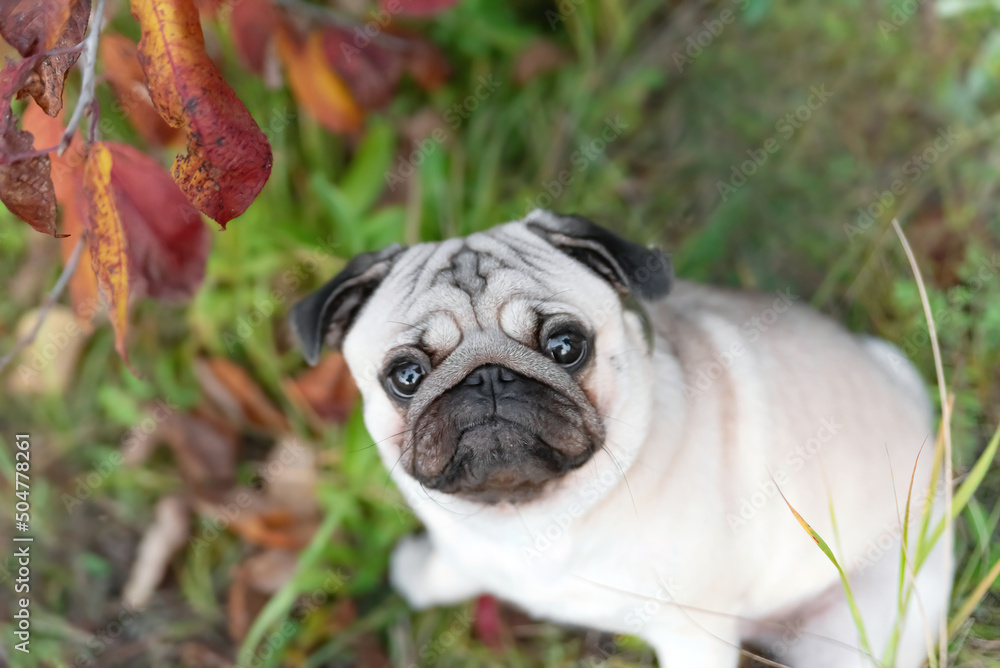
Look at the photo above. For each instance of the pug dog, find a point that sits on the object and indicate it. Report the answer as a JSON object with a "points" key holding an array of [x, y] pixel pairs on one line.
{"points": [[604, 446]]}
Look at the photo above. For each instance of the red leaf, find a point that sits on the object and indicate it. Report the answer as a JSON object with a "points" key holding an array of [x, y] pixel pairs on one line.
{"points": [[13, 76], [417, 7], [33, 26], [327, 390], [372, 72], [252, 23], [167, 241], [488, 625], [421, 59]]}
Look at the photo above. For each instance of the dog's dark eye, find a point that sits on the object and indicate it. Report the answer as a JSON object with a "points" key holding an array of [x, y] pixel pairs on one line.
{"points": [[405, 377], [567, 348]]}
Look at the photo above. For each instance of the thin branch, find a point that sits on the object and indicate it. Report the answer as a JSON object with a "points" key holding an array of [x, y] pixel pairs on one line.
{"points": [[946, 419], [88, 62], [47, 304], [88, 66]]}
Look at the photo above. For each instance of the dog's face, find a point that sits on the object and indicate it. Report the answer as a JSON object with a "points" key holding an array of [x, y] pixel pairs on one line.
{"points": [[488, 365]]}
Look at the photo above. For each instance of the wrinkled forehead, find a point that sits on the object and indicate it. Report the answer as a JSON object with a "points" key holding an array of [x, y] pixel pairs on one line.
{"points": [[507, 278]]}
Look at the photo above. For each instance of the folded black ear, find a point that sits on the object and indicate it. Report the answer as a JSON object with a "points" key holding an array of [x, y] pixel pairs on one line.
{"points": [[629, 267], [327, 314]]}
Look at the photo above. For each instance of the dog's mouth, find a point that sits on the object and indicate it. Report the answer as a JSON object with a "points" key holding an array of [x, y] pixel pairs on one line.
{"points": [[503, 461], [506, 442]]}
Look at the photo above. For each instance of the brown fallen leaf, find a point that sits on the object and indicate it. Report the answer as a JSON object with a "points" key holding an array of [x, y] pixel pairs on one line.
{"points": [[201, 656], [539, 57], [48, 364], [205, 450], [270, 570], [369, 651], [424, 61], [931, 237], [120, 58], [243, 604], [252, 583], [285, 514], [48, 78], [326, 391], [228, 158], [315, 85], [265, 524], [168, 533], [291, 477], [237, 395], [106, 238]]}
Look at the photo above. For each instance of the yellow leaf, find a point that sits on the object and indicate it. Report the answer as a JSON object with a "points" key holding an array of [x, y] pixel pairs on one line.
{"points": [[106, 238]]}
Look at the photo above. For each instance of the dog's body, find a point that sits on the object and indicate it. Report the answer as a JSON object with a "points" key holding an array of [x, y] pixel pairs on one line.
{"points": [[636, 491]]}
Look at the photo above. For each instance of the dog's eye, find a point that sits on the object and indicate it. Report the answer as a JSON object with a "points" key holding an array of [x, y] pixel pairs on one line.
{"points": [[567, 348], [405, 377]]}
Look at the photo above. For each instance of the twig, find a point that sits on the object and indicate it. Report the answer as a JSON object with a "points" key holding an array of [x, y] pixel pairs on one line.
{"points": [[47, 304], [88, 62], [946, 419], [88, 65]]}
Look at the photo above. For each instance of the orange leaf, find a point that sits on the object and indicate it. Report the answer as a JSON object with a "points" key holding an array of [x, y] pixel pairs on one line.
{"points": [[83, 289], [106, 238], [326, 390], [316, 86], [67, 177], [237, 394], [120, 57], [228, 158], [49, 76]]}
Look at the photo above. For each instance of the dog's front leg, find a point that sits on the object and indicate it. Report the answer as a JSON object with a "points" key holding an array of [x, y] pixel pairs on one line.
{"points": [[685, 647], [425, 578]]}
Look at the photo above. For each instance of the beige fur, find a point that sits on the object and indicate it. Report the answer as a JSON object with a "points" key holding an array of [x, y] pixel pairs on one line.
{"points": [[675, 531]]}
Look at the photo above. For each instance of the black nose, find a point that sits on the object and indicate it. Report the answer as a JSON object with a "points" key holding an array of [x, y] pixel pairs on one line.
{"points": [[491, 380]]}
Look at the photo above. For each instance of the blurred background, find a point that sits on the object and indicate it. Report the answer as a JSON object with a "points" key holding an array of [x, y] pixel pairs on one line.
{"points": [[224, 507]]}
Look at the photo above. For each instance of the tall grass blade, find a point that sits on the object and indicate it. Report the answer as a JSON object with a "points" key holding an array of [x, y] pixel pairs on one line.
{"points": [[855, 612]]}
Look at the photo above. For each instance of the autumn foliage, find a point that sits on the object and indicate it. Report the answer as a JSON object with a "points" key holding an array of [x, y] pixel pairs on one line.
{"points": [[142, 222]]}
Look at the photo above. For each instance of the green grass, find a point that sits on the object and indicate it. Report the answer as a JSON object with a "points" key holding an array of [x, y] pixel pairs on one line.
{"points": [[655, 181]]}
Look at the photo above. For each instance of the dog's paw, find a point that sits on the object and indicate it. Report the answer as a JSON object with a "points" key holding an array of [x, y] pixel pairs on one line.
{"points": [[419, 574]]}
